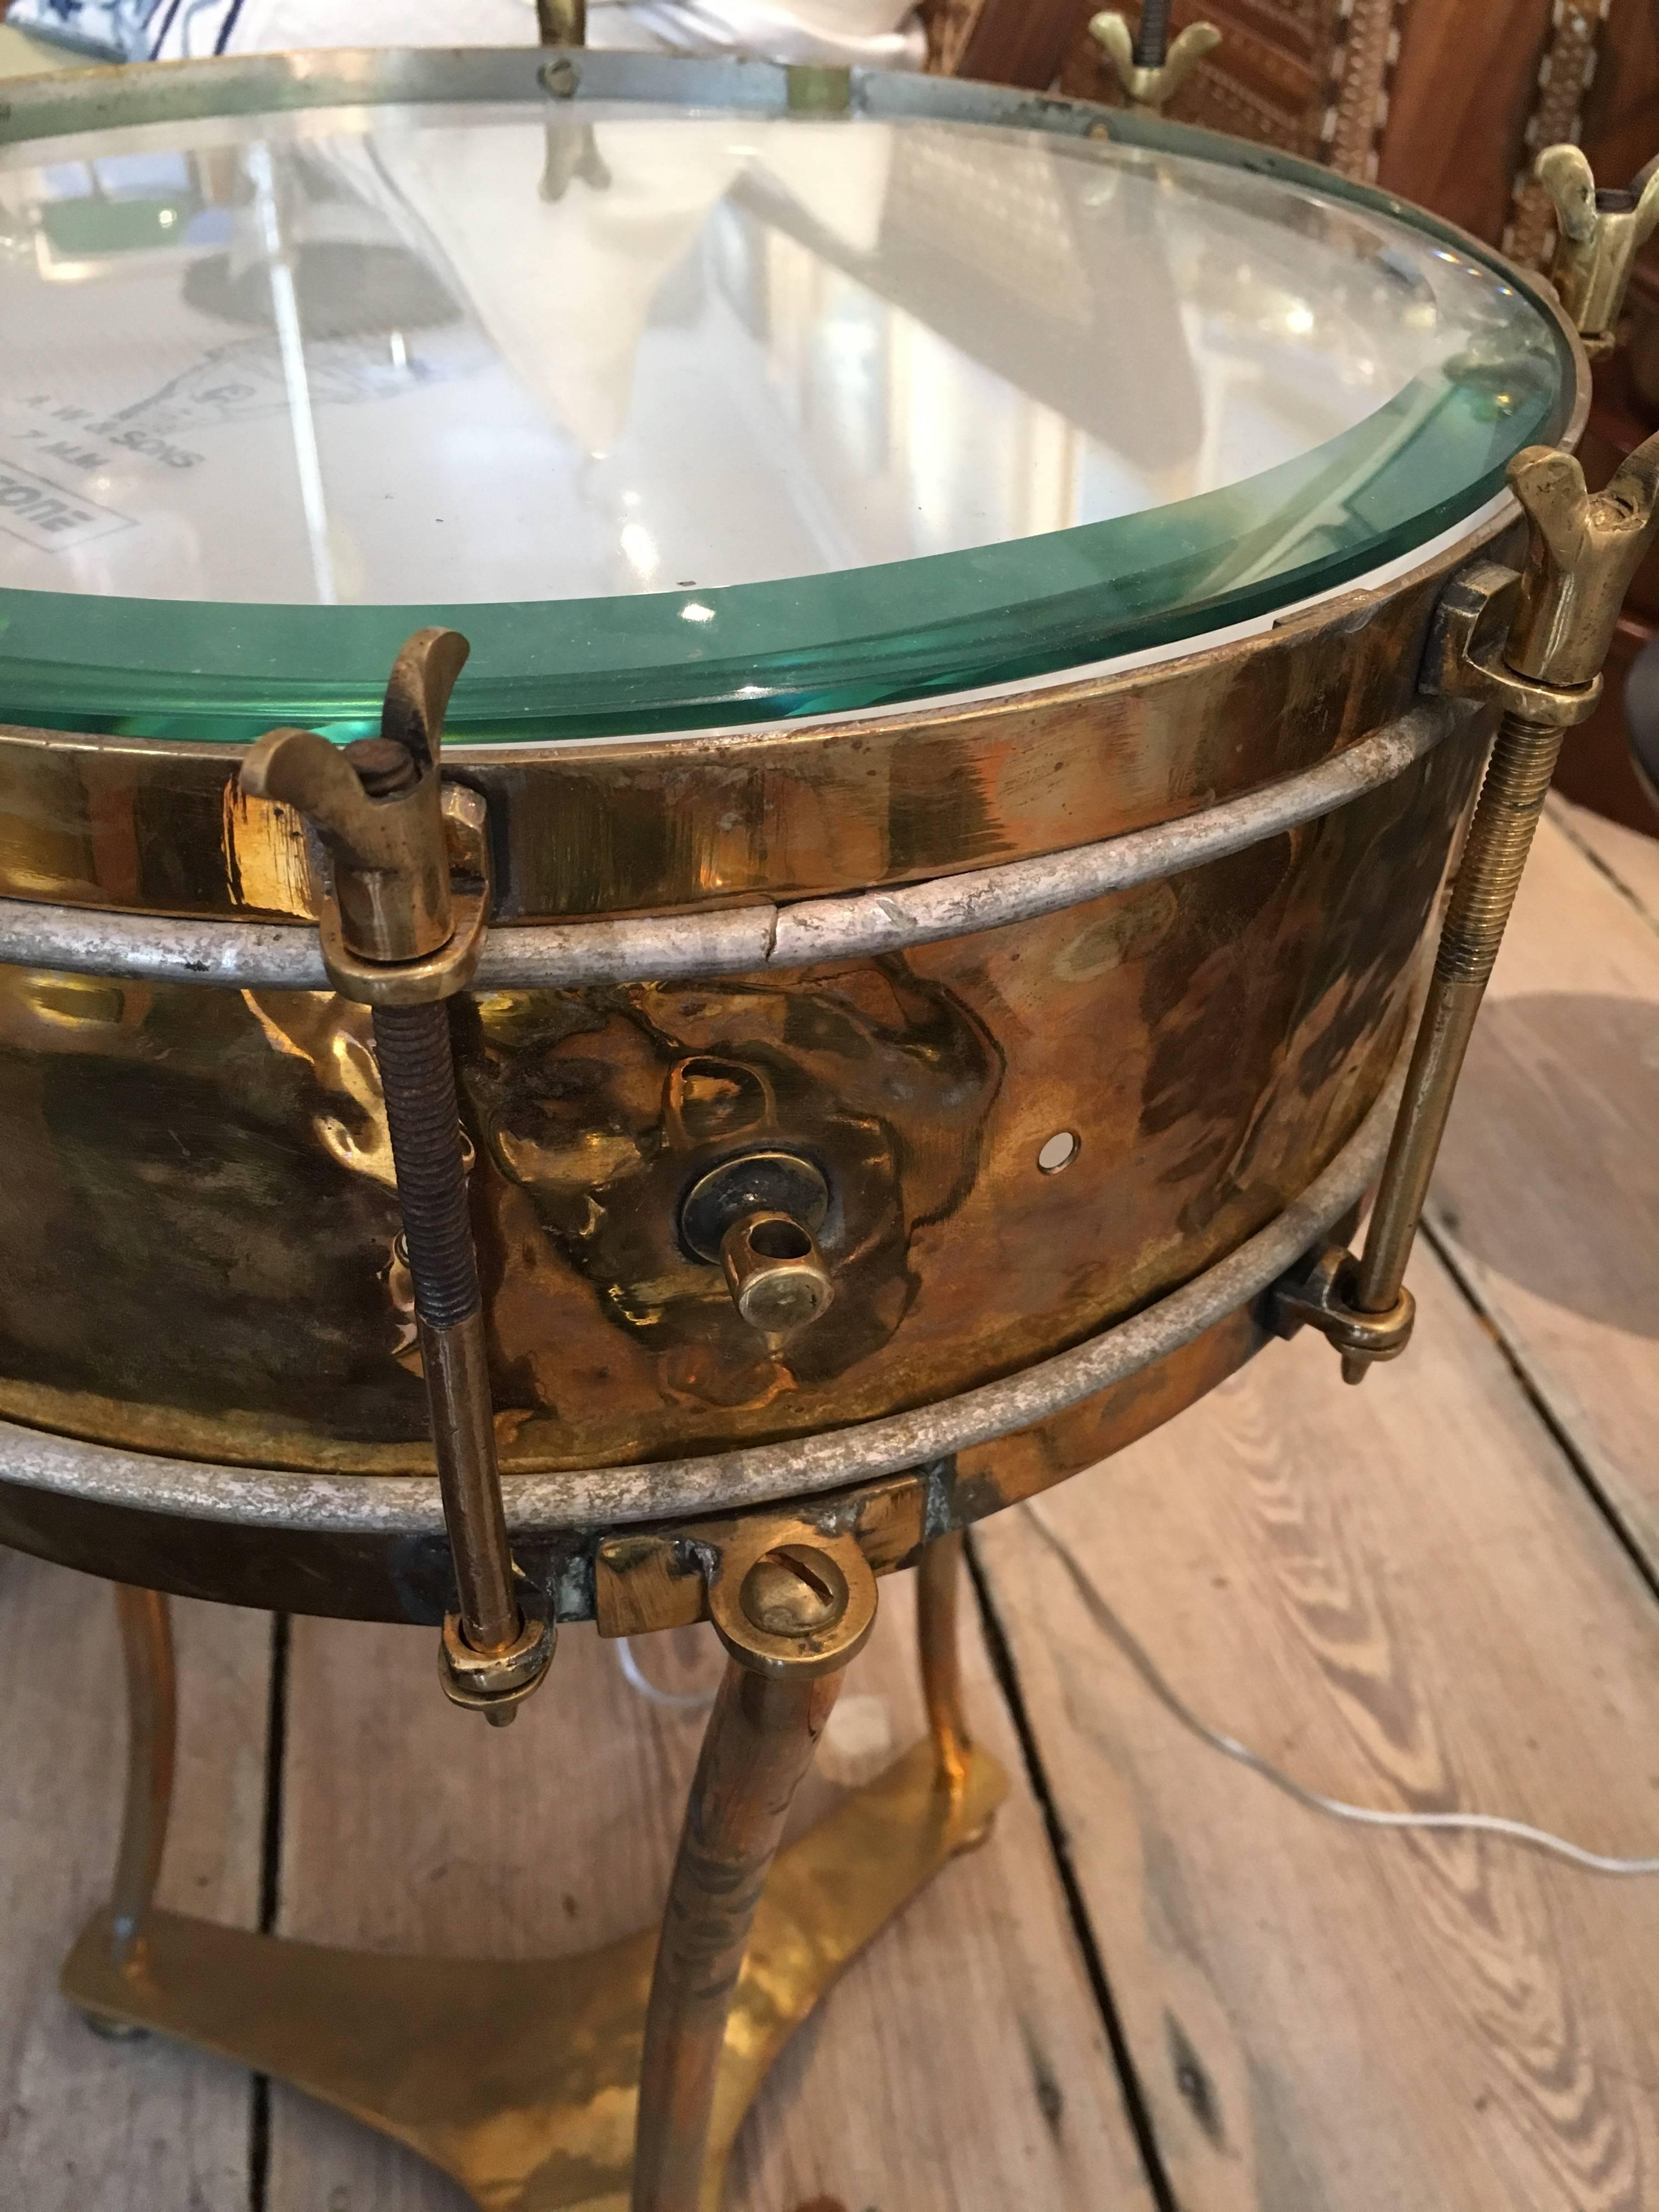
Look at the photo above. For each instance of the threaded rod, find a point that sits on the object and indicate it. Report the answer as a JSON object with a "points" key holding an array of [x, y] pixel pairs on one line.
{"points": [[1151, 48], [417, 1080], [417, 1077], [1512, 795]]}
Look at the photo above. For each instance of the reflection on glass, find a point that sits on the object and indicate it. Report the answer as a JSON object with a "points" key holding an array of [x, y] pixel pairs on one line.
{"points": [[404, 359]]}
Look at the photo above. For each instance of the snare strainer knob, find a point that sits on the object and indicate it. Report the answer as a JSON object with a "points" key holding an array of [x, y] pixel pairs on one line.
{"points": [[758, 1216], [776, 1273]]}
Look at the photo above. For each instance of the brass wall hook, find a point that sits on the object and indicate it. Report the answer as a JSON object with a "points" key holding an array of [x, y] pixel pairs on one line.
{"points": [[1598, 234], [1149, 83]]}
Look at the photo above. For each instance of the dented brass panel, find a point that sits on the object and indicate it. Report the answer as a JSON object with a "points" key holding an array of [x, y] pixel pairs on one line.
{"points": [[201, 1228]]}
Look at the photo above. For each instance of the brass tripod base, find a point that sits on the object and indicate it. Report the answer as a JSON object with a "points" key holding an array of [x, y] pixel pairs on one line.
{"points": [[519, 2078]]}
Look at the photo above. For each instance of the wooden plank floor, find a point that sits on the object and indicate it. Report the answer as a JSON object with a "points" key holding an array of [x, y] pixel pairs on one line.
{"points": [[1434, 1594]]}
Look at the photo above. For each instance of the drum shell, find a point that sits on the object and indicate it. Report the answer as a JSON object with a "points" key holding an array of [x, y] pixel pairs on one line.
{"points": [[201, 1223]]}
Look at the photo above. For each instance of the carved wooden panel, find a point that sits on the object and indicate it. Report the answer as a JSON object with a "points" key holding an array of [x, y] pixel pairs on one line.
{"points": [[1309, 75]]}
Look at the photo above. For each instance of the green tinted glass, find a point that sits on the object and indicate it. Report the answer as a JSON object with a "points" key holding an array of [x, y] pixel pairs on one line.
{"points": [[690, 418]]}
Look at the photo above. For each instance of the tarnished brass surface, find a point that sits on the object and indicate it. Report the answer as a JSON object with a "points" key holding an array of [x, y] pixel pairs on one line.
{"points": [[202, 1230], [393, 1577], [519, 2078], [756, 1749], [695, 819]]}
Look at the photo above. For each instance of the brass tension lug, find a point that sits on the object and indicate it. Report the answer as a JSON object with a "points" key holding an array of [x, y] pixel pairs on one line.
{"points": [[403, 902], [1318, 1292], [1598, 235], [1151, 77], [1534, 643], [1464, 656]]}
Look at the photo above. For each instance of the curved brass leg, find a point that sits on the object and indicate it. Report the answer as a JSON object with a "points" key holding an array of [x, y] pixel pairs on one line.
{"points": [[760, 1742], [519, 2077], [794, 1609], [152, 1734], [938, 1586]]}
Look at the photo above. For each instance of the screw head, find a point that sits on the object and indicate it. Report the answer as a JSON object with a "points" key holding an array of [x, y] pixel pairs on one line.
{"points": [[794, 1591]]}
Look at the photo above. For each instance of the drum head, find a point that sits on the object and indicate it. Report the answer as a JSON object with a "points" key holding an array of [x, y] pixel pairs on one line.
{"points": [[692, 409]]}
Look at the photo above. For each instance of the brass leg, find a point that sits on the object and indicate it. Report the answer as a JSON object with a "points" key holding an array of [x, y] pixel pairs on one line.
{"points": [[521, 2078], [760, 1742], [152, 1737], [152, 1732], [938, 1586]]}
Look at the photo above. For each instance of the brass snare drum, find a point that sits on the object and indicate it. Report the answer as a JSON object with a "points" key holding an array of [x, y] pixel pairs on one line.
{"points": [[922, 744], [985, 620]]}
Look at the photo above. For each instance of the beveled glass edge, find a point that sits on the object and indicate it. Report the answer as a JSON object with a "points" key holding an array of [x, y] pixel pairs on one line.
{"points": [[73, 101]]}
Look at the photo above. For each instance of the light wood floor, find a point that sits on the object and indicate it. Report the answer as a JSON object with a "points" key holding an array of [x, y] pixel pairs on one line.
{"points": [[1163, 1983]]}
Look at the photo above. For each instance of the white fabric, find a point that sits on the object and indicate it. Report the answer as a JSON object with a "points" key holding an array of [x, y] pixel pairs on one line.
{"points": [[879, 33]]}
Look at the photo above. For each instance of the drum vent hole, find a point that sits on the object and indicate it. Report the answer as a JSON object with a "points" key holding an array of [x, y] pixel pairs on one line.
{"points": [[1061, 1150], [779, 1240]]}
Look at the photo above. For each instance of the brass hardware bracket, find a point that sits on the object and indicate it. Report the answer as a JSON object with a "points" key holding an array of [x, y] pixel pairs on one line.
{"points": [[1318, 1294], [1598, 235], [1151, 89], [441, 973], [657, 1578], [1464, 658], [396, 928], [490, 1681]]}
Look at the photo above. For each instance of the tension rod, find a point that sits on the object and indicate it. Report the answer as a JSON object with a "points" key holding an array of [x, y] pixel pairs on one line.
{"points": [[399, 936]]}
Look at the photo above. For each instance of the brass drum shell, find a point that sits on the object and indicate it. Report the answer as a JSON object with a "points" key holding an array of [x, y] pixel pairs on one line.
{"points": [[199, 1214], [201, 1223]]}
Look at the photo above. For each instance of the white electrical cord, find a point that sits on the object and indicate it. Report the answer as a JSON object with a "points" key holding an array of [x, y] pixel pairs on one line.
{"points": [[1484, 1824], [680, 1701]]}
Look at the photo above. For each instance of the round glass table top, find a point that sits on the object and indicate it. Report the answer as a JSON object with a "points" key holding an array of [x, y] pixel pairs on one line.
{"points": [[690, 418]]}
